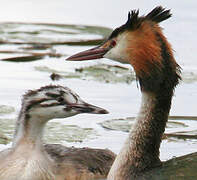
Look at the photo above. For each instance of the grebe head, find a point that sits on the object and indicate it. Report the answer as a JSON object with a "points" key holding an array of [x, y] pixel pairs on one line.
{"points": [[52, 101], [139, 42]]}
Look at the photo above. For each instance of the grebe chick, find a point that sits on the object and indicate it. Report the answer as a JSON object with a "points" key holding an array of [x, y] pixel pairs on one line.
{"points": [[141, 43], [29, 159]]}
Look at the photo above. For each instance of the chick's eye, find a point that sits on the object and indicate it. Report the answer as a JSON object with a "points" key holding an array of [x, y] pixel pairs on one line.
{"points": [[113, 43], [60, 99]]}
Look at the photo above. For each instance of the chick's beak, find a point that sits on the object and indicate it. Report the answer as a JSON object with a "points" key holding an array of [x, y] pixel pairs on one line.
{"points": [[87, 108], [94, 53]]}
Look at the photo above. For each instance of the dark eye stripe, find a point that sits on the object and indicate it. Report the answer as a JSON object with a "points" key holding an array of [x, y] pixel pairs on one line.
{"points": [[53, 95], [76, 98], [35, 102]]}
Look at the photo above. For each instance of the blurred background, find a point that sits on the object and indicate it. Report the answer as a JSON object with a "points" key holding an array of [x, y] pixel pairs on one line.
{"points": [[36, 37]]}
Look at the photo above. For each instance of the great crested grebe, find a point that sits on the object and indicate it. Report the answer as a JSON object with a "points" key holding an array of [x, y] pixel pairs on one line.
{"points": [[29, 159], [141, 43]]}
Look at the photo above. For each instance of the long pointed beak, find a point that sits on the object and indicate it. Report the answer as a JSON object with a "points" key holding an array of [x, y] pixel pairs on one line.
{"points": [[87, 108], [94, 53]]}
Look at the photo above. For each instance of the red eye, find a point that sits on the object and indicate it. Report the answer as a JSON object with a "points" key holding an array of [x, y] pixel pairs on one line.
{"points": [[113, 43]]}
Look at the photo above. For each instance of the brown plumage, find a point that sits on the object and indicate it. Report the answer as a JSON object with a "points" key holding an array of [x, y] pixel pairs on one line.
{"points": [[87, 163]]}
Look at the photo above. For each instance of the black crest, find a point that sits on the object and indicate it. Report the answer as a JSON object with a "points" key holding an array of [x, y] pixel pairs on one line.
{"points": [[158, 14], [134, 21]]}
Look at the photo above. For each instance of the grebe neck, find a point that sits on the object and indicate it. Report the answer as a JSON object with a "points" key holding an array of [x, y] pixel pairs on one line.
{"points": [[141, 149], [29, 131]]}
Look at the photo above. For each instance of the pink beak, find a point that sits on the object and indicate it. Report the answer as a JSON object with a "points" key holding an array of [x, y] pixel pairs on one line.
{"points": [[94, 53]]}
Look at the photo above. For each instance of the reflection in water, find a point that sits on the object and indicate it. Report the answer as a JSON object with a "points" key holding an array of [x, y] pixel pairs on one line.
{"points": [[178, 127], [39, 40], [55, 132]]}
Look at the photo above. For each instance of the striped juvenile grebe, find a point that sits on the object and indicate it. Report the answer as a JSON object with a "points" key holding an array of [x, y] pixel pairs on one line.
{"points": [[29, 159]]}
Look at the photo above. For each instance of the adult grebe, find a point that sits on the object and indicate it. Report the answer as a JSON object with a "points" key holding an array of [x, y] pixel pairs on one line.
{"points": [[29, 159], [141, 43]]}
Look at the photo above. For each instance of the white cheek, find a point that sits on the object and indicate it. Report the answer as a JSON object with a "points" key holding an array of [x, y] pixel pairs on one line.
{"points": [[48, 113], [118, 53]]}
